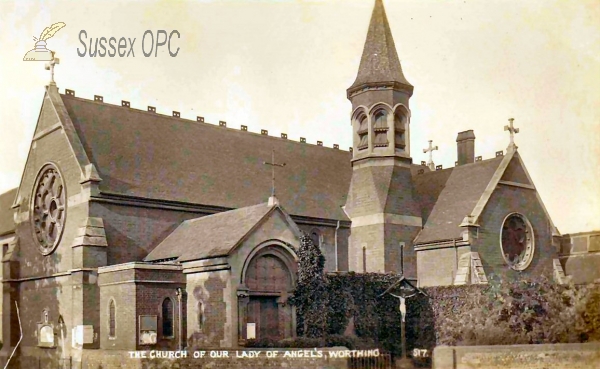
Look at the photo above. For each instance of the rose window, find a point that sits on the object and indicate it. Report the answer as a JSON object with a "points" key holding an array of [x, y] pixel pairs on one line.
{"points": [[517, 241], [48, 208]]}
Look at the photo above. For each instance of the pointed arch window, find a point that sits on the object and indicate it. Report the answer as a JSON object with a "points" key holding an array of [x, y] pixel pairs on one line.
{"points": [[363, 132], [315, 236], [112, 319], [200, 316], [400, 130], [380, 129], [167, 317]]}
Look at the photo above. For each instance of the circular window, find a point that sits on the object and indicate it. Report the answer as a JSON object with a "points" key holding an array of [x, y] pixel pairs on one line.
{"points": [[48, 208], [517, 241]]}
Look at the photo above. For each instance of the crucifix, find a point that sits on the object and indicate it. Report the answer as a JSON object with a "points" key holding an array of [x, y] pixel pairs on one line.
{"points": [[273, 164], [430, 151], [50, 66], [512, 130], [407, 290]]}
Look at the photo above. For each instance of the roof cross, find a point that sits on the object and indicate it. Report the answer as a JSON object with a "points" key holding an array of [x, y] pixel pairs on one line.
{"points": [[510, 128], [50, 66], [273, 164], [430, 151]]}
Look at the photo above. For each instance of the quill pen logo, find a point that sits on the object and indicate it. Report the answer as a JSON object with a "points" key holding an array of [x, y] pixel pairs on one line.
{"points": [[40, 52]]}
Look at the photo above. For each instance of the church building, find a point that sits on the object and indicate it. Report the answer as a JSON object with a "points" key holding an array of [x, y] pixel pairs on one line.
{"points": [[135, 230]]}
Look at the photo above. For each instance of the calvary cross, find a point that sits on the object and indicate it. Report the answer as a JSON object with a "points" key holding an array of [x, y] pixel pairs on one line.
{"points": [[273, 164], [510, 128], [50, 66], [430, 151]]}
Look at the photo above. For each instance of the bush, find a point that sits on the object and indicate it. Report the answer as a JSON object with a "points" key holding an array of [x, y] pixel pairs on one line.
{"points": [[502, 312]]}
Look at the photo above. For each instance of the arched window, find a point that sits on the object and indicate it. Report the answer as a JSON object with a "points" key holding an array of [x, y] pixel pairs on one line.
{"points": [[315, 236], [200, 316], [112, 319], [380, 129], [363, 132], [167, 318], [400, 130]]}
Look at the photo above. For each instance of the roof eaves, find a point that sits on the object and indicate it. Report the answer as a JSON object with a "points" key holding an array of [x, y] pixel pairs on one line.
{"points": [[473, 218]]}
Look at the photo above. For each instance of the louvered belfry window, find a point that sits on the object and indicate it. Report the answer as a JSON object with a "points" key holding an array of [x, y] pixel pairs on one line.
{"points": [[380, 129], [363, 132], [400, 130]]}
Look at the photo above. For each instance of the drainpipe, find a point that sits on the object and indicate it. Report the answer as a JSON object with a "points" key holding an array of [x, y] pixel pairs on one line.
{"points": [[455, 260], [336, 245]]}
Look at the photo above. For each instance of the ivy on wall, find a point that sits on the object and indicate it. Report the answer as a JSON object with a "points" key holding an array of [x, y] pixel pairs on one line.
{"points": [[502, 312]]}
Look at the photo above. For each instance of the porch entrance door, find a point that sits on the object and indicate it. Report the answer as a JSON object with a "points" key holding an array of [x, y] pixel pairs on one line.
{"points": [[264, 312]]}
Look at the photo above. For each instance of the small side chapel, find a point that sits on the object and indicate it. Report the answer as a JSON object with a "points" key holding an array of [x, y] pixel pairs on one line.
{"points": [[135, 230]]}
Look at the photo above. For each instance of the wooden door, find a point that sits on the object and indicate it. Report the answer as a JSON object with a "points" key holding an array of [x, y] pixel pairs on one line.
{"points": [[264, 312]]}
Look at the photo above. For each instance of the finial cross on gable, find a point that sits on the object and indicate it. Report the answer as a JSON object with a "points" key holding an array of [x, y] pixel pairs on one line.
{"points": [[273, 164], [50, 66], [512, 130], [430, 151]]}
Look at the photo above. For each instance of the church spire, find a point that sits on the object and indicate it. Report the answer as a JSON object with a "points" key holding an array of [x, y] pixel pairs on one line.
{"points": [[379, 62]]}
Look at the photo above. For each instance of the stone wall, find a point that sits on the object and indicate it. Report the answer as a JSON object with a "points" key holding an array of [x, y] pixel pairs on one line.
{"points": [[98, 359], [580, 256], [555, 356]]}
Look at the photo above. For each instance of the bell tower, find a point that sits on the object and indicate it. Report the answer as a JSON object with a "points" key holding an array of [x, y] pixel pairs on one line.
{"points": [[385, 217]]}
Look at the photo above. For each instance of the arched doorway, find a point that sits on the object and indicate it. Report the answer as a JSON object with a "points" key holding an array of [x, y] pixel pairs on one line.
{"points": [[268, 278]]}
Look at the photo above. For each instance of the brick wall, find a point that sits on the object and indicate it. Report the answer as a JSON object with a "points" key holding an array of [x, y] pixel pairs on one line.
{"points": [[438, 267], [137, 291], [328, 244], [555, 356]]}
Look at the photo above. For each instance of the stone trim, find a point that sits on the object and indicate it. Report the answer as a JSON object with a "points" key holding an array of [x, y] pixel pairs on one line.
{"points": [[515, 184], [137, 265], [47, 131], [135, 281]]}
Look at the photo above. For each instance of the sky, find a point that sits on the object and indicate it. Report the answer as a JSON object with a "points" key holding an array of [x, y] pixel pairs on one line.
{"points": [[284, 66]]}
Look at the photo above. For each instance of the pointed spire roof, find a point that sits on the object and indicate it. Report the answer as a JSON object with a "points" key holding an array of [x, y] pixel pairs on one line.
{"points": [[379, 62]]}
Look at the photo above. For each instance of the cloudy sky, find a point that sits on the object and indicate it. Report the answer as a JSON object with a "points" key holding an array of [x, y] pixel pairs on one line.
{"points": [[284, 66]]}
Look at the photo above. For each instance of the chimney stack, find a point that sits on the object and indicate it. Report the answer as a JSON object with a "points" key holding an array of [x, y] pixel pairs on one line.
{"points": [[465, 145]]}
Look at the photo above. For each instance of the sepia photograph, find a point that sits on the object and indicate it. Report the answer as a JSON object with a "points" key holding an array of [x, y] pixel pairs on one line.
{"points": [[333, 184]]}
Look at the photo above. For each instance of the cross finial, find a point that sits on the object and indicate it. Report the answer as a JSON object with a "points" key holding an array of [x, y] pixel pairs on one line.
{"points": [[50, 66], [512, 130], [273, 164], [430, 151]]}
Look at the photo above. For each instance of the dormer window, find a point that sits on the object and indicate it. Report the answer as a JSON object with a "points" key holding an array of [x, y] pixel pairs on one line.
{"points": [[380, 129], [363, 132]]}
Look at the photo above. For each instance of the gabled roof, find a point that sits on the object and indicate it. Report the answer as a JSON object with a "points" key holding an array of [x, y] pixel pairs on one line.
{"points": [[449, 195], [7, 223], [211, 236], [379, 61], [148, 155]]}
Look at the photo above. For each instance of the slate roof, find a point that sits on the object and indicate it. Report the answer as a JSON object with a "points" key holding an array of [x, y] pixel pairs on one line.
{"points": [[148, 155], [7, 224], [209, 236], [379, 61], [449, 195]]}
